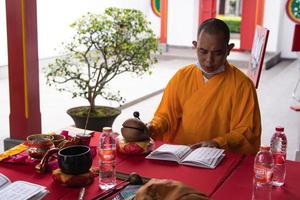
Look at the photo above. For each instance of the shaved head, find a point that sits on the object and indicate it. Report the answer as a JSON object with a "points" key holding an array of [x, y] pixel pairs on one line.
{"points": [[215, 26]]}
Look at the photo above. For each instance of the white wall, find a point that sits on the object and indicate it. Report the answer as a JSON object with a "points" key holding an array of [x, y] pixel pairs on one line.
{"points": [[55, 16], [3, 35], [155, 20], [286, 29], [271, 21], [281, 28], [182, 22]]}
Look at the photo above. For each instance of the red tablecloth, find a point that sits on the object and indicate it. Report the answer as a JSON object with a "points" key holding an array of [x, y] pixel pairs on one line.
{"points": [[202, 179], [232, 179], [27, 173], [205, 180], [239, 183]]}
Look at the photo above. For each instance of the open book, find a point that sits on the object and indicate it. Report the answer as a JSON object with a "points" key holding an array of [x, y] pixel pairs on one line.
{"points": [[20, 190], [201, 157]]}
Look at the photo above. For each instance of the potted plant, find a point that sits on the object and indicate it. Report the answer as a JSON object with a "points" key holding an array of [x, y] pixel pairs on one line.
{"points": [[103, 47]]}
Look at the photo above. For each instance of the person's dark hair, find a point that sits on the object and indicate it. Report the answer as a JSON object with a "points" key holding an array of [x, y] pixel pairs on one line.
{"points": [[214, 26]]}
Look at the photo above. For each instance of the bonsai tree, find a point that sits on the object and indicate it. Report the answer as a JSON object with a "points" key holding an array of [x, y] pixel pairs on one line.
{"points": [[103, 46]]}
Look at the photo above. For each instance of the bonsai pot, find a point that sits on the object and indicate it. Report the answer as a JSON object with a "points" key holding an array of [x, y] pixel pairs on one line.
{"points": [[106, 117]]}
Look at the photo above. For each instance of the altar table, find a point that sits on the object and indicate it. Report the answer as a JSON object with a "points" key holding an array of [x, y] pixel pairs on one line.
{"points": [[232, 178], [239, 184], [202, 179]]}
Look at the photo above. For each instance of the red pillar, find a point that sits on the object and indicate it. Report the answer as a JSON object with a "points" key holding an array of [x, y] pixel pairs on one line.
{"points": [[207, 9], [260, 7], [252, 15], [163, 21], [25, 116]]}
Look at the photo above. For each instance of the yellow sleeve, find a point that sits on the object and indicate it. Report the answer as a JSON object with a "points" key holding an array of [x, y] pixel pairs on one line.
{"points": [[169, 111], [245, 123]]}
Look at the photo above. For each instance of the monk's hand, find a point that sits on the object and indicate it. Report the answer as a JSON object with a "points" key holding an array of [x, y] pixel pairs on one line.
{"points": [[208, 143], [150, 129]]}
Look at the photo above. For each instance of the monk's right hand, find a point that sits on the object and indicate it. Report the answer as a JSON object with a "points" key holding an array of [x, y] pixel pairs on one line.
{"points": [[150, 129]]}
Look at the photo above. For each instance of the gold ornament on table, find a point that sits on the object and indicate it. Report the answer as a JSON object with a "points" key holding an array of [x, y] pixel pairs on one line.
{"points": [[38, 145], [42, 166]]}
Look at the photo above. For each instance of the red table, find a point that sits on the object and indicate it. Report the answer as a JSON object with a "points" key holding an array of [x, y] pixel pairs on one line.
{"points": [[27, 173], [232, 178], [239, 184], [202, 179]]}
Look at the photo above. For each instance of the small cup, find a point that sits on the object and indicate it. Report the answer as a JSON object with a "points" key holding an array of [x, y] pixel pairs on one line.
{"points": [[57, 139], [76, 159], [84, 138]]}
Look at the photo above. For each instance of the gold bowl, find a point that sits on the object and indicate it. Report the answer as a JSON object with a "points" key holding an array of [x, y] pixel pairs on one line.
{"points": [[38, 145]]}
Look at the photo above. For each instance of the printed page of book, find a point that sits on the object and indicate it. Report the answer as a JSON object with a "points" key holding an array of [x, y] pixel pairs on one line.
{"points": [[20, 190], [4, 181], [170, 152], [204, 157]]}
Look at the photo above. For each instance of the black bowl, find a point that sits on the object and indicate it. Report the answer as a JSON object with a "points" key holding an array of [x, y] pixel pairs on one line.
{"points": [[75, 159]]}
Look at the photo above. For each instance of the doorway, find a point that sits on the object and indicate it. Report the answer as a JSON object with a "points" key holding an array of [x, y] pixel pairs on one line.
{"points": [[244, 14], [230, 11]]}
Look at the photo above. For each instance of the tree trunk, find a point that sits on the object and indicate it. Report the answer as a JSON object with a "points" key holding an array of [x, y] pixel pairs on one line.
{"points": [[92, 105]]}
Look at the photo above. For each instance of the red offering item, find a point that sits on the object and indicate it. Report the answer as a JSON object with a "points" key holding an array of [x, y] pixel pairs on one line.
{"points": [[135, 148], [69, 180]]}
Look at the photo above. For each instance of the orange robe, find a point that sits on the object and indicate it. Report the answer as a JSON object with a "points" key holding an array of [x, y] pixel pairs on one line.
{"points": [[224, 109]]}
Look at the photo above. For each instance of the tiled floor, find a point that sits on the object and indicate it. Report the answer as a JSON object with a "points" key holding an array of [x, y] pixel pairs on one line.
{"points": [[274, 95]]}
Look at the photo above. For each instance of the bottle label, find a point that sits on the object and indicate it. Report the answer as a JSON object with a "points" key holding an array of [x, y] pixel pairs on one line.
{"points": [[276, 144], [279, 158], [262, 174], [107, 155]]}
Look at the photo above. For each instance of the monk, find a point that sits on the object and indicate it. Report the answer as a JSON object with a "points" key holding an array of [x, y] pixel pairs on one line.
{"points": [[210, 103]]}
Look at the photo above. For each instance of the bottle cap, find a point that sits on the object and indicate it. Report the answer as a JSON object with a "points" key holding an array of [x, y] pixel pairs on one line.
{"points": [[279, 128], [106, 129], [264, 148]]}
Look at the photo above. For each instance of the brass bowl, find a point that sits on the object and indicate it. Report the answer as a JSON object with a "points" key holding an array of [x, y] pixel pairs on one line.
{"points": [[38, 145], [133, 135], [134, 130]]}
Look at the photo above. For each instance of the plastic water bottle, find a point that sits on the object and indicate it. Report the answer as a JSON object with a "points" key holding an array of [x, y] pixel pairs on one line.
{"points": [[263, 172], [107, 159], [278, 149]]}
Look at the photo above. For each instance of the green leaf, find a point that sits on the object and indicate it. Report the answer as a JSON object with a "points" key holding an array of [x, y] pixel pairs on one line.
{"points": [[105, 46]]}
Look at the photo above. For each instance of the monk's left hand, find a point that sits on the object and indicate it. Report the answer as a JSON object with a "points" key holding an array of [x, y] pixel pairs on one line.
{"points": [[208, 143]]}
